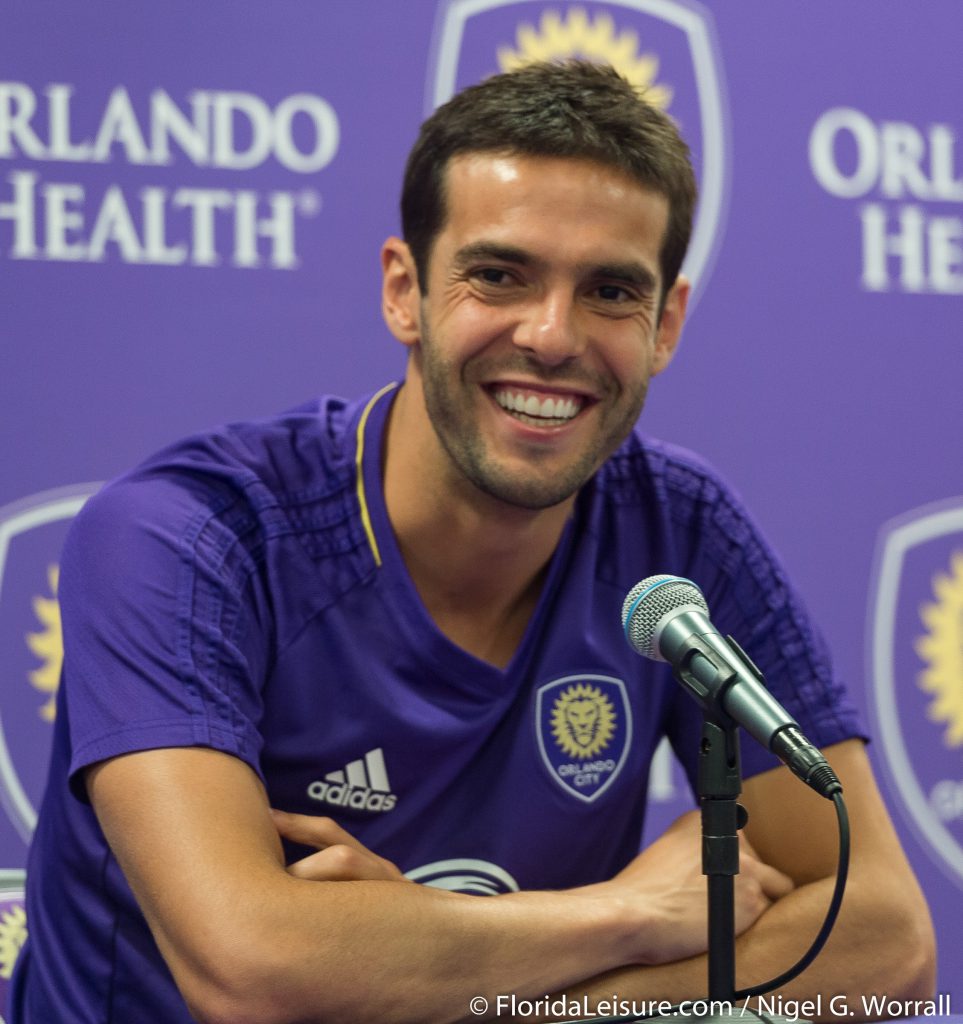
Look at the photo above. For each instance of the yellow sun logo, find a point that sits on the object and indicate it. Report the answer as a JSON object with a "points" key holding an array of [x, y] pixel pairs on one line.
{"points": [[942, 649], [595, 40], [583, 721], [13, 932], [48, 645]]}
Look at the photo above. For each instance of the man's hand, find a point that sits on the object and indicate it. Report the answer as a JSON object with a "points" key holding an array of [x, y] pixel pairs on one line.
{"points": [[668, 876], [340, 857]]}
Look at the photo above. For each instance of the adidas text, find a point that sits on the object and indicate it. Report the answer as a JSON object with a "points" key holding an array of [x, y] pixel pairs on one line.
{"points": [[342, 795]]}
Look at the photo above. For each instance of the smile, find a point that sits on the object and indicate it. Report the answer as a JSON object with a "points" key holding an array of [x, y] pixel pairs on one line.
{"points": [[538, 411]]}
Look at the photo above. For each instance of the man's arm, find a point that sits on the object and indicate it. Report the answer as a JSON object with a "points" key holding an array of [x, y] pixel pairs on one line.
{"points": [[246, 940], [883, 941]]}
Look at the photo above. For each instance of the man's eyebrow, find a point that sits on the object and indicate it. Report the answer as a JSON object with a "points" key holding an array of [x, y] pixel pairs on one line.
{"points": [[492, 251], [631, 273]]}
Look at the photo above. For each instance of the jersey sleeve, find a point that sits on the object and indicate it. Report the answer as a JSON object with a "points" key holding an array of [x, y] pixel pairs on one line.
{"points": [[751, 598], [166, 627]]}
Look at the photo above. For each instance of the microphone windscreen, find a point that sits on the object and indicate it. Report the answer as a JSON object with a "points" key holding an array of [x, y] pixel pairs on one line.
{"points": [[648, 603]]}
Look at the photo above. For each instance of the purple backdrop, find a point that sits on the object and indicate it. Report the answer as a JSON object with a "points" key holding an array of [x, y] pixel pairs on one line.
{"points": [[192, 198]]}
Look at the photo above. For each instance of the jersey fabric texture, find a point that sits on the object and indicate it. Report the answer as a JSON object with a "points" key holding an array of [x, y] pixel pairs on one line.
{"points": [[243, 591]]}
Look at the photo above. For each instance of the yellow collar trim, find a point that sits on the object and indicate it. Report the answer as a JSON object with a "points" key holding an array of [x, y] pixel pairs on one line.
{"points": [[359, 464]]}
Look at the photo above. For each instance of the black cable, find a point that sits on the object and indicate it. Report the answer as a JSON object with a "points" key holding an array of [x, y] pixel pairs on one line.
{"points": [[842, 870]]}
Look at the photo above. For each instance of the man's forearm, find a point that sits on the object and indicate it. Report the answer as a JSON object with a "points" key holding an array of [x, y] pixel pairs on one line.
{"points": [[391, 951], [880, 946]]}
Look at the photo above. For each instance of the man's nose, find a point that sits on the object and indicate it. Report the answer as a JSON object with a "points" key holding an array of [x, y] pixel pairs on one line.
{"points": [[550, 329]]}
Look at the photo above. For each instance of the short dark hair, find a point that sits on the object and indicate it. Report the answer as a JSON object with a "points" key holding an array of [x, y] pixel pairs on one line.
{"points": [[573, 109]]}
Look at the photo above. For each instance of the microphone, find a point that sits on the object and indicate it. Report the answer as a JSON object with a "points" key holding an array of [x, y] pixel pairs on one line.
{"points": [[666, 618]]}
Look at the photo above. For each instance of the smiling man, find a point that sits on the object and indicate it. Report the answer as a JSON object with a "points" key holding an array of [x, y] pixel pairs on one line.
{"points": [[387, 633]]}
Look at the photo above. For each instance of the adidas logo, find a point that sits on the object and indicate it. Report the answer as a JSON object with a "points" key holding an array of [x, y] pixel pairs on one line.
{"points": [[362, 785]]}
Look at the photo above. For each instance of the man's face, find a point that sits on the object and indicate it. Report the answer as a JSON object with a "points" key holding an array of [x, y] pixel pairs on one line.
{"points": [[538, 330]]}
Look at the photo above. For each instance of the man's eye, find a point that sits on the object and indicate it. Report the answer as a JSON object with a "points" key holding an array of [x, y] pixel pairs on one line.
{"points": [[492, 275], [612, 293]]}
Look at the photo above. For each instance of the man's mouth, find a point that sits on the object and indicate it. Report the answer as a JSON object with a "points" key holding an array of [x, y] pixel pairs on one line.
{"points": [[538, 410]]}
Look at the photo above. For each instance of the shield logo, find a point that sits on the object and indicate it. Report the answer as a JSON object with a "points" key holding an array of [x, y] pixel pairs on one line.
{"points": [[32, 533], [917, 672], [584, 729], [665, 46]]}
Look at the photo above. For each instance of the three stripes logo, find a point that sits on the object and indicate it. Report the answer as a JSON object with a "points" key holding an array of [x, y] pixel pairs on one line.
{"points": [[361, 785]]}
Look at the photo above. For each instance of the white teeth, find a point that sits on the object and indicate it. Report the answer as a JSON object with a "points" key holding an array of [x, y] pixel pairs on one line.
{"points": [[555, 409]]}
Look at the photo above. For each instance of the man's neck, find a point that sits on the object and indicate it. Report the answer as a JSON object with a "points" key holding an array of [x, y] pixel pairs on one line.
{"points": [[477, 563]]}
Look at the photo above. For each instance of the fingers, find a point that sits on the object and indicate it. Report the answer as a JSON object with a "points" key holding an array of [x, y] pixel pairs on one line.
{"points": [[309, 830], [758, 886], [344, 864], [773, 883], [340, 857]]}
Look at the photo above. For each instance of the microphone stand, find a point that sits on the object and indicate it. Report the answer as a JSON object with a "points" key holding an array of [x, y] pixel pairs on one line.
{"points": [[719, 786]]}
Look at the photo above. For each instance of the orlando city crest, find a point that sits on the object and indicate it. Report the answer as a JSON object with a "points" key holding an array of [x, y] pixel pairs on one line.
{"points": [[584, 727], [32, 532], [665, 47], [917, 672]]}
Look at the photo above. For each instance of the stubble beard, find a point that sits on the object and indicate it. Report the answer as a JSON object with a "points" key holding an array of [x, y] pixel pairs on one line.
{"points": [[449, 399]]}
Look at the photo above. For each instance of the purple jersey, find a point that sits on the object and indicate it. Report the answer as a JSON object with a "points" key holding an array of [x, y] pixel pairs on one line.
{"points": [[243, 590]]}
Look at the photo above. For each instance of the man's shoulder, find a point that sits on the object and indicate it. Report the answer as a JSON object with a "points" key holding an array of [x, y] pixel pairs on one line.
{"points": [[299, 450], [242, 483], [279, 460], [246, 514]]}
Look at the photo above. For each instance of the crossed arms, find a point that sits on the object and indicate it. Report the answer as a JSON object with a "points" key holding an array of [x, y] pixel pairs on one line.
{"points": [[250, 940]]}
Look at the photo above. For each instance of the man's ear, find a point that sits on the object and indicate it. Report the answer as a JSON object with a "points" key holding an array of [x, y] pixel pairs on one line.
{"points": [[400, 294], [670, 324]]}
